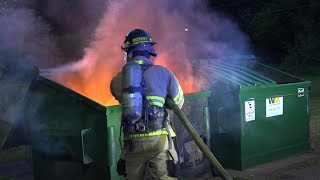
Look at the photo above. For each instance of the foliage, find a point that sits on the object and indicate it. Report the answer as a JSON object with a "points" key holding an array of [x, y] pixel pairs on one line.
{"points": [[285, 31], [12, 154], [3, 178]]}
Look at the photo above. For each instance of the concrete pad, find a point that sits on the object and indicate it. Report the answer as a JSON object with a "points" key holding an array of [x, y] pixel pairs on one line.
{"points": [[304, 166]]}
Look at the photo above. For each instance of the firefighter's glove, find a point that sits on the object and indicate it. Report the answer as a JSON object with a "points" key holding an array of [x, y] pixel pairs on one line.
{"points": [[121, 167], [173, 166]]}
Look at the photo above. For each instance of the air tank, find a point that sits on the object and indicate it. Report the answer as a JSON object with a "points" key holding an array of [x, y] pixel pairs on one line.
{"points": [[131, 92]]}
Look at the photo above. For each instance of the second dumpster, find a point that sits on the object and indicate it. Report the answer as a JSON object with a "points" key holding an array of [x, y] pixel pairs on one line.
{"points": [[257, 113]]}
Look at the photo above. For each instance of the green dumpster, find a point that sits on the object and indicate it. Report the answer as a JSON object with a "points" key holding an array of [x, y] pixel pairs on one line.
{"points": [[257, 113], [67, 132]]}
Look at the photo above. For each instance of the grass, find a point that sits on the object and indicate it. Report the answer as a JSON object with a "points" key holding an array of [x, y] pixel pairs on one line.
{"points": [[312, 73], [4, 178], [315, 83], [12, 154], [314, 77], [315, 123]]}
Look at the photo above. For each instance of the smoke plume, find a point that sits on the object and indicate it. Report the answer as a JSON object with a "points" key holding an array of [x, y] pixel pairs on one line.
{"points": [[185, 31], [86, 38], [23, 34]]}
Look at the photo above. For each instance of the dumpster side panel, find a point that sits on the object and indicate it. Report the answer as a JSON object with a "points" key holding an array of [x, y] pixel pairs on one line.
{"points": [[192, 163], [280, 127], [57, 118], [114, 147], [56, 122], [225, 123]]}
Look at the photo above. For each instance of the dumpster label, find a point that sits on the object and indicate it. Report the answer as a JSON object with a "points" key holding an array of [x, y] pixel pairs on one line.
{"points": [[274, 106], [250, 110], [300, 92]]}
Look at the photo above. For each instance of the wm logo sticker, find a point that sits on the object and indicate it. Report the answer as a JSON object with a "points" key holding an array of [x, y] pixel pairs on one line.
{"points": [[274, 106], [274, 100]]}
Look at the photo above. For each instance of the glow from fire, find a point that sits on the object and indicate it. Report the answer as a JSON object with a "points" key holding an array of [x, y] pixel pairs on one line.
{"points": [[166, 21], [92, 75]]}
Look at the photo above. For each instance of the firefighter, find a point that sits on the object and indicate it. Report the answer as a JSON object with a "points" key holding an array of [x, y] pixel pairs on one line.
{"points": [[141, 88]]}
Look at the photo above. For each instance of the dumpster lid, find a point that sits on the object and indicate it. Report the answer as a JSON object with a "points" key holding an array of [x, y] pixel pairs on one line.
{"points": [[245, 73], [19, 133], [75, 95]]}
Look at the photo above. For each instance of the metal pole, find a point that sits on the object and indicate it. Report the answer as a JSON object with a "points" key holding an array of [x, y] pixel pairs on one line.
{"points": [[202, 146]]}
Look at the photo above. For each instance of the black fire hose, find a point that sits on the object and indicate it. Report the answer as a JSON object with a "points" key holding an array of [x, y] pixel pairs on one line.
{"points": [[202, 146]]}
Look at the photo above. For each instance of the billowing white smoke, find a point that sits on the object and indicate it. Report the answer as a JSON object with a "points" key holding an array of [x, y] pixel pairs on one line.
{"points": [[185, 30], [24, 34]]}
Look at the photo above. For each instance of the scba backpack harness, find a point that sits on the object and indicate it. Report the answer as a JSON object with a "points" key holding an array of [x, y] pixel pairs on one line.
{"points": [[138, 116]]}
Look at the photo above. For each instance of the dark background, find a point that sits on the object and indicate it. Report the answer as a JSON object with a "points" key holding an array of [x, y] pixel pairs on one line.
{"points": [[283, 32]]}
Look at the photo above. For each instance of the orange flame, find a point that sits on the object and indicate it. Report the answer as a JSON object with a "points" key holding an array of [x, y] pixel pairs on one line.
{"points": [[102, 59]]}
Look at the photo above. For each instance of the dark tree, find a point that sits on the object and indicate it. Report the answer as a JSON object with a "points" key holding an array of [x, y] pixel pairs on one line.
{"points": [[283, 32]]}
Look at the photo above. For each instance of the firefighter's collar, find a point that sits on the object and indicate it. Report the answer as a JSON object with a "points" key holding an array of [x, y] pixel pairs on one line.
{"points": [[142, 60]]}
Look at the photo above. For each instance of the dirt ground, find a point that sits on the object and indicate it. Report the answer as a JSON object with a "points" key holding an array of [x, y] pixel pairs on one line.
{"points": [[301, 167]]}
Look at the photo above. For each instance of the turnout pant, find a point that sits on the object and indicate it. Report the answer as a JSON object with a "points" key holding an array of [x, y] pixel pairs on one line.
{"points": [[153, 152]]}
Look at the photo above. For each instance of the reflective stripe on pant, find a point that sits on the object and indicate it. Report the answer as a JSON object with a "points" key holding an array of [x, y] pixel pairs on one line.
{"points": [[148, 151]]}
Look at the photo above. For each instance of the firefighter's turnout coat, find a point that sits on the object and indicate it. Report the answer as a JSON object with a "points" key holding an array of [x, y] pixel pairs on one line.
{"points": [[152, 148], [160, 84]]}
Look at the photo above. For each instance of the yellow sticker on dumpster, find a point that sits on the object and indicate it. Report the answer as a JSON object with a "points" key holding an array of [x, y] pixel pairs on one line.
{"points": [[274, 106]]}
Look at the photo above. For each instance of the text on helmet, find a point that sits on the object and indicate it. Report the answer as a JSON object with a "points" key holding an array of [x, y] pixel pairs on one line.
{"points": [[139, 39]]}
